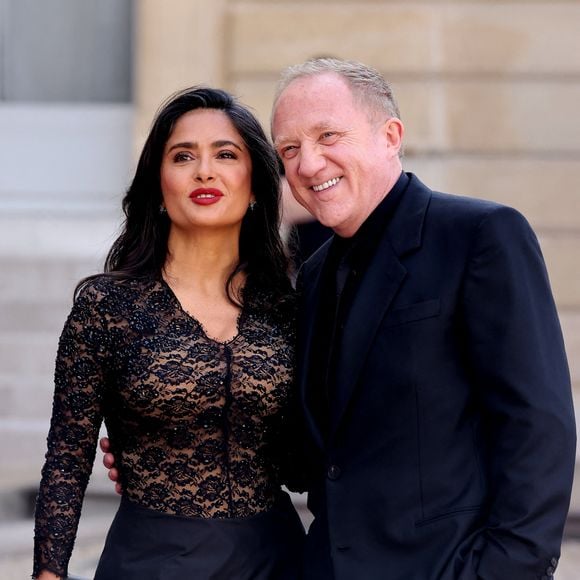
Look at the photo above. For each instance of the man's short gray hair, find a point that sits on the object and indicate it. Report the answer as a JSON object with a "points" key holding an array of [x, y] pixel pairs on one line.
{"points": [[368, 86]]}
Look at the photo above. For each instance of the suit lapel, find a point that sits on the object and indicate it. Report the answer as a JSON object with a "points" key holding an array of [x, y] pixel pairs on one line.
{"points": [[310, 300], [371, 302], [374, 296]]}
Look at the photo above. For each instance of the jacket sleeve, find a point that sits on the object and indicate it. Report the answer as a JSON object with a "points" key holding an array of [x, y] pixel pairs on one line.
{"points": [[294, 470], [517, 357], [74, 429]]}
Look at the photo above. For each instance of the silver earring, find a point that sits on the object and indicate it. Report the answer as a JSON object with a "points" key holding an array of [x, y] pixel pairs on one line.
{"points": [[252, 205], [162, 209]]}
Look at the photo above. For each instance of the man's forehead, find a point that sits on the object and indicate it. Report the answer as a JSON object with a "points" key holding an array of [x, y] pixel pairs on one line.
{"points": [[303, 128], [320, 87], [290, 123]]}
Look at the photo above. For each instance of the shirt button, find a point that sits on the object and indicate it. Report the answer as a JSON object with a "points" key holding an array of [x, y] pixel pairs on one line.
{"points": [[333, 472]]}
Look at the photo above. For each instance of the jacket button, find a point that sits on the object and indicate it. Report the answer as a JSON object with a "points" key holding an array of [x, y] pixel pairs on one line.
{"points": [[554, 562], [333, 472]]}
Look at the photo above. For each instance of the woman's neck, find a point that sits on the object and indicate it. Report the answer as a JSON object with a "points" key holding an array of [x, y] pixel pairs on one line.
{"points": [[197, 270], [205, 260]]}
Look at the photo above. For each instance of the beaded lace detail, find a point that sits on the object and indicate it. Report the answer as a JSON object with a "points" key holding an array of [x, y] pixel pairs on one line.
{"points": [[195, 424]]}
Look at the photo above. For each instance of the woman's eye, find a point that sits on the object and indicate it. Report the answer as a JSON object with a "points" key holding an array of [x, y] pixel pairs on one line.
{"points": [[226, 155], [182, 156]]}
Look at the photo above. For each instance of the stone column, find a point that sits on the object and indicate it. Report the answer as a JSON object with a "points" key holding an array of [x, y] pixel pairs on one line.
{"points": [[177, 44]]}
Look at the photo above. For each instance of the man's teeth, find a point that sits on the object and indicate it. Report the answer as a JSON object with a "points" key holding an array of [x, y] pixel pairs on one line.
{"points": [[326, 184]]}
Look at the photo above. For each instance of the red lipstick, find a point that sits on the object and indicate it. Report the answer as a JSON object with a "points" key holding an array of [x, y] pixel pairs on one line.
{"points": [[205, 196]]}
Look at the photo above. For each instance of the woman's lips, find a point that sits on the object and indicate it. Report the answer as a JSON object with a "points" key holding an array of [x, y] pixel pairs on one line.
{"points": [[205, 196]]}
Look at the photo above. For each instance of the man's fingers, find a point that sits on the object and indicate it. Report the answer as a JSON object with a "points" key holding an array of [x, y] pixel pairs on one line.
{"points": [[113, 474], [108, 460]]}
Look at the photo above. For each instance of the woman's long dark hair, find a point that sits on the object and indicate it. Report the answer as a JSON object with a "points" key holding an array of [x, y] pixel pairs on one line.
{"points": [[141, 249]]}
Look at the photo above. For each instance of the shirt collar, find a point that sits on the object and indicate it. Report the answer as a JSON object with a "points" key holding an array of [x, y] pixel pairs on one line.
{"points": [[374, 225]]}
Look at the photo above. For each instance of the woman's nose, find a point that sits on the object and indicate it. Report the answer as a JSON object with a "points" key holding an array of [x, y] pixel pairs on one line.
{"points": [[204, 170]]}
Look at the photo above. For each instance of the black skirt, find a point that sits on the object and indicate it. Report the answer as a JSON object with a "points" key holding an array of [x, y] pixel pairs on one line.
{"points": [[145, 544]]}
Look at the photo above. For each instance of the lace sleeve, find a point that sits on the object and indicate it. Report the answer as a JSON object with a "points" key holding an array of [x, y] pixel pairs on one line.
{"points": [[76, 419]]}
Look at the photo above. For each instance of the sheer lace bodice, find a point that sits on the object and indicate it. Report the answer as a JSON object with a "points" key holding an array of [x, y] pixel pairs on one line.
{"points": [[195, 424]]}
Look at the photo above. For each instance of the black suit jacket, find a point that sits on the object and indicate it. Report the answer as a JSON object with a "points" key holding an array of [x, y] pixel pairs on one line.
{"points": [[452, 440]]}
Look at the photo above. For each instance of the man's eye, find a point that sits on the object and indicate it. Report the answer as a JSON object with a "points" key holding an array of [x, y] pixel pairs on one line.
{"points": [[328, 136], [289, 151]]}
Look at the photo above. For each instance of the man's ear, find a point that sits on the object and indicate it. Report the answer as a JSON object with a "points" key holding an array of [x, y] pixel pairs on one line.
{"points": [[394, 130]]}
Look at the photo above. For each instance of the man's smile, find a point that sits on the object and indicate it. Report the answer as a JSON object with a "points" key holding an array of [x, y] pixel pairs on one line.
{"points": [[326, 184]]}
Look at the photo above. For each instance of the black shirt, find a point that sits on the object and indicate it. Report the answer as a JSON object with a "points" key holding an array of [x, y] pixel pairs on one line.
{"points": [[344, 266]]}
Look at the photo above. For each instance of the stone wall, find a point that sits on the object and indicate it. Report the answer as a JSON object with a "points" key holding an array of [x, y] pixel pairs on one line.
{"points": [[488, 91]]}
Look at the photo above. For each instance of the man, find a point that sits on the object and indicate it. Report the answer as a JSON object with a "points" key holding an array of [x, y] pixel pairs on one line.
{"points": [[435, 392], [432, 372]]}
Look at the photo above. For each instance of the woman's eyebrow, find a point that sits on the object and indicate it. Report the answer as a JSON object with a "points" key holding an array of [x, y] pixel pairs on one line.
{"points": [[195, 145]]}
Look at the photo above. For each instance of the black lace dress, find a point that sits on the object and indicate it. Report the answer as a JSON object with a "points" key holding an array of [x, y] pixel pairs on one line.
{"points": [[197, 427]]}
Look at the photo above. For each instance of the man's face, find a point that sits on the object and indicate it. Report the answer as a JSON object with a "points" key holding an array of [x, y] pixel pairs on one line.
{"points": [[339, 163]]}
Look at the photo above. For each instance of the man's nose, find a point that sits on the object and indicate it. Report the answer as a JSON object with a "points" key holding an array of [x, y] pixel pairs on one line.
{"points": [[311, 162]]}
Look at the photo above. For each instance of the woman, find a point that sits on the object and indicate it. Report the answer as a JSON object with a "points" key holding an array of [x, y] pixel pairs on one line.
{"points": [[184, 346]]}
